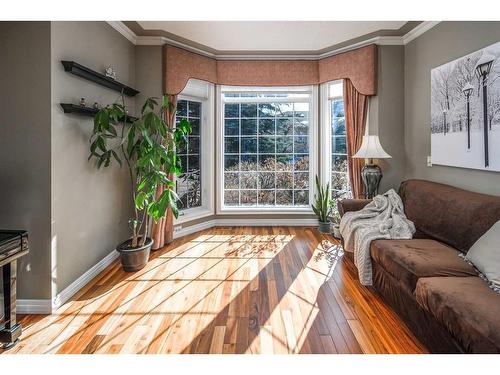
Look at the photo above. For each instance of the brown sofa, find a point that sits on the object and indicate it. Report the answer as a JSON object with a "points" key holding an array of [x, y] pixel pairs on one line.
{"points": [[438, 295]]}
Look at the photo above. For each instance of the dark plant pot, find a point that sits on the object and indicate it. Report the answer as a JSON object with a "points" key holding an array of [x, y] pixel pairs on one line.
{"points": [[325, 227], [134, 259]]}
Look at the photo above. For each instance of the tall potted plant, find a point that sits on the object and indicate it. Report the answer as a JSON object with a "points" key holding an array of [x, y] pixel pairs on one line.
{"points": [[148, 147], [322, 206]]}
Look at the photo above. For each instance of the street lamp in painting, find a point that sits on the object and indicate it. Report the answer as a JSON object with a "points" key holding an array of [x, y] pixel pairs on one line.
{"points": [[483, 68], [445, 128], [467, 90]]}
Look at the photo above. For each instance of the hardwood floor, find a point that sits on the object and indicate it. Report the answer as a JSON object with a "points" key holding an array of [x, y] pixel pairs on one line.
{"points": [[227, 290]]}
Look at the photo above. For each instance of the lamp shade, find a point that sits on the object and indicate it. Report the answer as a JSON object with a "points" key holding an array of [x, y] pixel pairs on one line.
{"points": [[371, 149]]}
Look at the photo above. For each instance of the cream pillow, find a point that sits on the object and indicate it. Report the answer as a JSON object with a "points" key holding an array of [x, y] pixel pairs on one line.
{"points": [[485, 255]]}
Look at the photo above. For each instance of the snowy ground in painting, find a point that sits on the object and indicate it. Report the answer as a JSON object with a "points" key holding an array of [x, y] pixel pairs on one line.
{"points": [[451, 149]]}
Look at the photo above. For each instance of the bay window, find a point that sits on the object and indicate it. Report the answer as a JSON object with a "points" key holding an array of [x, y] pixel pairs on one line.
{"points": [[266, 148]]}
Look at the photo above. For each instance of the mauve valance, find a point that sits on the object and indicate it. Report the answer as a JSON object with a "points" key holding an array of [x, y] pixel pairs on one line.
{"points": [[359, 66]]}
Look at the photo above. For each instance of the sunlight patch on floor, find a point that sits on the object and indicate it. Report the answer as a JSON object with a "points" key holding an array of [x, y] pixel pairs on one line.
{"points": [[166, 305], [298, 301]]}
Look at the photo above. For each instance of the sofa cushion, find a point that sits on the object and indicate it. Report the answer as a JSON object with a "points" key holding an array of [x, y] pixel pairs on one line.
{"points": [[408, 260], [448, 214], [466, 307]]}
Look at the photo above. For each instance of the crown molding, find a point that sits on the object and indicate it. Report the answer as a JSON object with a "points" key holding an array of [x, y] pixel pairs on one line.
{"points": [[124, 30], [380, 40], [419, 30]]}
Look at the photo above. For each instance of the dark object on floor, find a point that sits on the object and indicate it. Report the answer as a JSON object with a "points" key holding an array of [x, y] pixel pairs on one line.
{"points": [[134, 258], [13, 245], [439, 296]]}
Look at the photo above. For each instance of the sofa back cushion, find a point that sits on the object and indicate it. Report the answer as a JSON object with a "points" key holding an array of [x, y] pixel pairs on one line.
{"points": [[448, 214]]}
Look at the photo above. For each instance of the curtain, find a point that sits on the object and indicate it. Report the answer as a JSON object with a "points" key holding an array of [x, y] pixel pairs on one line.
{"points": [[355, 106], [359, 66], [162, 232]]}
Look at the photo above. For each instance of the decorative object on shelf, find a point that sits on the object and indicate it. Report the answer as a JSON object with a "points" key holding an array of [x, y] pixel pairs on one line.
{"points": [[87, 111], [91, 75], [148, 147], [371, 174], [96, 105], [465, 111], [322, 206], [82, 102], [110, 72]]}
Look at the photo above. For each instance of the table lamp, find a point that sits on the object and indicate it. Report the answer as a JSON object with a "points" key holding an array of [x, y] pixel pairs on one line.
{"points": [[371, 173]]}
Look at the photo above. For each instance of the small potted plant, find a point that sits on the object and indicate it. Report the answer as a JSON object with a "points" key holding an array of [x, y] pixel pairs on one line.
{"points": [[335, 214], [335, 219], [322, 207], [148, 147]]}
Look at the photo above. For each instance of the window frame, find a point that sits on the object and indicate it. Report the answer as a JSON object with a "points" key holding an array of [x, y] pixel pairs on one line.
{"points": [[313, 156], [326, 132], [202, 92]]}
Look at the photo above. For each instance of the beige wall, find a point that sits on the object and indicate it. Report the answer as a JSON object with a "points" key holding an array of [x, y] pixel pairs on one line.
{"points": [[90, 207], [148, 73], [386, 118], [443, 43], [25, 164]]}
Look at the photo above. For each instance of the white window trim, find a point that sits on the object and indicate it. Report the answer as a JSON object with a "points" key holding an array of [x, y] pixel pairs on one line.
{"points": [[313, 157], [206, 153]]}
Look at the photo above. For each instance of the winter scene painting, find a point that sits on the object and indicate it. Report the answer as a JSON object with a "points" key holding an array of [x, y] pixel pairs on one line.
{"points": [[465, 111]]}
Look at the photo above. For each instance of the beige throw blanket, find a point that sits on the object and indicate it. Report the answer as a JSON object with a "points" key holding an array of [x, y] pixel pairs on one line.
{"points": [[383, 218]]}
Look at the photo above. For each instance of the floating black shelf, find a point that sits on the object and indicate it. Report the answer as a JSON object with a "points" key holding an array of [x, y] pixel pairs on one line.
{"points": [[86, 111], [84, 72]]}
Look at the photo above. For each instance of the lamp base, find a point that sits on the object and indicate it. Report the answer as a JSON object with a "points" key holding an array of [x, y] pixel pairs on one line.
{"points": [[371, 174]]}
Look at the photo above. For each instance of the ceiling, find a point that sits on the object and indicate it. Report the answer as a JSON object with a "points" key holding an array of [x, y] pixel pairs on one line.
{"points": [[273, 36]]}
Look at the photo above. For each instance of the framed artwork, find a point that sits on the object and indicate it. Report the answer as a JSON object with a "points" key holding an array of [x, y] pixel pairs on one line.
{"points": [[465, 111]]}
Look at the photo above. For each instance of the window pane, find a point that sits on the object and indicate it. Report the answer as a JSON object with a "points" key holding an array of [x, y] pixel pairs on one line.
{"points": [[301, 197], [194, 109], [267, 110], [266, 180], [231, 181], [248, 180], [248, 162], [248, 197], [195, 126], [231, 145], [266, 126], [248, 145], [284, 180], [284, 126], [231, 197], [188, 184], [301, 127], [181, 108], [232, 110], [284, 145], [266, 197], [339, 145], [339, 173], [301, 145], [266, 149], [232, 163], [249, 126], [249, 110], [194, 145], [284, 197], [266, 145], [232, 127]]}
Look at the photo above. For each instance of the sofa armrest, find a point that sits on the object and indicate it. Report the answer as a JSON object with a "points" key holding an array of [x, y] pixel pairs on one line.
{"points": [[346, 205]]}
